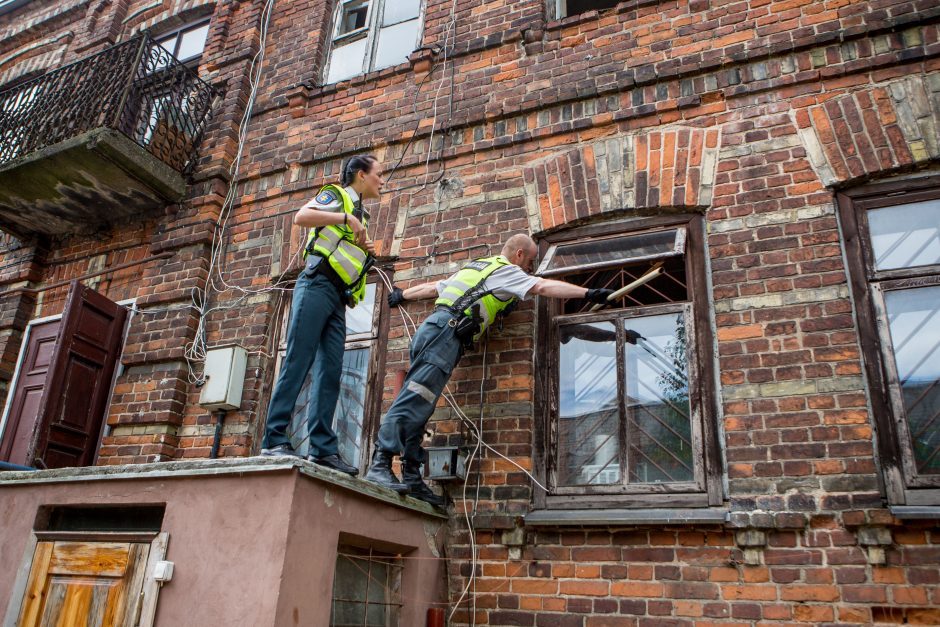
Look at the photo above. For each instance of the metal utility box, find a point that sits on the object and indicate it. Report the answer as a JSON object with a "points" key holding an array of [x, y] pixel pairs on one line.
{"points": [[225, 375], [445, 463]]}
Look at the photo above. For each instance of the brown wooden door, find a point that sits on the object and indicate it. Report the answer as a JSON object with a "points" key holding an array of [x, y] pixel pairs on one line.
{"points": [[78, 385], [94, 584], [27, 395]]}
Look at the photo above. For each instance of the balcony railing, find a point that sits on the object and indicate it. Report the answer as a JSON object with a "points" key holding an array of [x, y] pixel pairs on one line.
{"points": [[136, 88]]}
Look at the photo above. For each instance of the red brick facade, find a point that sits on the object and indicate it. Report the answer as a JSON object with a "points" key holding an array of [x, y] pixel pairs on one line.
{"points": [[749, 114]]}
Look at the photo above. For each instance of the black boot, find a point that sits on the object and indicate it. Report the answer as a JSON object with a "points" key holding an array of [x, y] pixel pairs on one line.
{"points": [[411, 475], [380, 472]]}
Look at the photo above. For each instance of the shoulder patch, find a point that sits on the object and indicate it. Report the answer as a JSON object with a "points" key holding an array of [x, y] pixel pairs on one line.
{"points": [[326, 197]]}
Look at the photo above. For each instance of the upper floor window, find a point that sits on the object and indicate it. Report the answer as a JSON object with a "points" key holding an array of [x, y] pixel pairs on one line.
{"points": [[567, 8], [354, 417], [372, 34], [893, 242], [628, 411], [186, 43]]}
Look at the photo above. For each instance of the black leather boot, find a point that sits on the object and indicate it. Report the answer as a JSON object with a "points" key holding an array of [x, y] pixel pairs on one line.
{"points": [[411, 475], [380, 472]]}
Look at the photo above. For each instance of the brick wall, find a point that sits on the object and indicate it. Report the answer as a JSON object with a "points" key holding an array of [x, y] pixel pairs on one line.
{"points": [[747, 113]]}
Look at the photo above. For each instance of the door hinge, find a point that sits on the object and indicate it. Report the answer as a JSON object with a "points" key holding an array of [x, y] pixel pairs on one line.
{"points": [[139, 609]]}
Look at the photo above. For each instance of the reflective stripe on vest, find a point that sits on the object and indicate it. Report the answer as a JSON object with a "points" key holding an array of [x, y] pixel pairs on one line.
{"points": [[472, 277], [334, 242]]}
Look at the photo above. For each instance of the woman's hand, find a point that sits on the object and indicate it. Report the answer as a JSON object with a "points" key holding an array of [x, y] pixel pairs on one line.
{"points": [[360, 236]]}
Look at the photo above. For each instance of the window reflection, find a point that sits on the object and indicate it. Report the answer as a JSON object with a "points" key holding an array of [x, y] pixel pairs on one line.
{"points": [[657, 400], [914, 323], [588, 412], [905, 236]]}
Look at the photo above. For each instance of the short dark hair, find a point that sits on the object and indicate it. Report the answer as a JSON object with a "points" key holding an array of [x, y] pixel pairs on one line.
{"points": [[359, 163]]}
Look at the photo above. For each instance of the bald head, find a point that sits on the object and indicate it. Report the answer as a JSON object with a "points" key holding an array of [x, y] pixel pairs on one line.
{"points": [[521, 250]]}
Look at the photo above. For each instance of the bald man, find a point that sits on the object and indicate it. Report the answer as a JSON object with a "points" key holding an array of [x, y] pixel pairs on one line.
{"points": [[467, 304]]}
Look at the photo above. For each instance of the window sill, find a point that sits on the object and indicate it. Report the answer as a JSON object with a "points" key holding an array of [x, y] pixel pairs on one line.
{"points": [[664, 516], [915, 512]]}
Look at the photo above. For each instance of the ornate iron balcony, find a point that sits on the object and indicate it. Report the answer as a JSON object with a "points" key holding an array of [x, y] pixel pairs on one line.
{"points": [[105, 140], [136, 88]]}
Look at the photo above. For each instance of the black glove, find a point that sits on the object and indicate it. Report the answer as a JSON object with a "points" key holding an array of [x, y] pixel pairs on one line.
{"points": [[598, 295], [396, 297]]}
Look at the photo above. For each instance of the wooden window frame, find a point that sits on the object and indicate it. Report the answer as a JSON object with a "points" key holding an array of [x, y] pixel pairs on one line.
{"points": [[706, 490], [868, 285], [373, 401], [369, 31]]}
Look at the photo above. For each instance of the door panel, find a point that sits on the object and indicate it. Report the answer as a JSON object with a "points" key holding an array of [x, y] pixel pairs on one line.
{"points": [[78, 386], [96, 584], [27, 395]]}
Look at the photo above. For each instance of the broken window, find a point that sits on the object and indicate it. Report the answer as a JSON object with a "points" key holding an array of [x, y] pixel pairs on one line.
{"points": [[893, 242], [631, 414], [566, 8], [353, 418], [370, 35], [366, 588]]}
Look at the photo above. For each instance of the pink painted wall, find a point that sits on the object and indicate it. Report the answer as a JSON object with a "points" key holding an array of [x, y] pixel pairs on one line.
{"points": [[257, 549]]}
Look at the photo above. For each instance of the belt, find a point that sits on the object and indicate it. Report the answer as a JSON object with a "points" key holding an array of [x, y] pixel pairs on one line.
{"points": [[330, 275]]}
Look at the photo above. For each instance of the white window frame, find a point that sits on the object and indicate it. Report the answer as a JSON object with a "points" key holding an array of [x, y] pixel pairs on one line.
{"points": [[369, 31]]}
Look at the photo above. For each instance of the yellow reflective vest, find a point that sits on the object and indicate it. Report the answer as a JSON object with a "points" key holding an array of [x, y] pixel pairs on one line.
{"points": [[467, 288], [335, 243]]}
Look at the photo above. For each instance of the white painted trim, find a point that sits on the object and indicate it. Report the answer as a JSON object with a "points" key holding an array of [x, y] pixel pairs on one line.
{"points": [[151, 588], [18, 591]]}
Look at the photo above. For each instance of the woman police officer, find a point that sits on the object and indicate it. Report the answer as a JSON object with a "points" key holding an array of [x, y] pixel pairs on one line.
{"points": [[338, 255]]}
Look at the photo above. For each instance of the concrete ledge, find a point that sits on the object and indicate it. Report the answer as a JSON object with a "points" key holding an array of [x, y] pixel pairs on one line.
{"points": [[217, 467], [586, 517], [915, 512]]}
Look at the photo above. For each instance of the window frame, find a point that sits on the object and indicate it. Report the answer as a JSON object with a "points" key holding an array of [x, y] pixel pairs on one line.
{"points": [[903, 486], [376, 374], [369, 32], [706, 488], [178, 33], [559, 9]]}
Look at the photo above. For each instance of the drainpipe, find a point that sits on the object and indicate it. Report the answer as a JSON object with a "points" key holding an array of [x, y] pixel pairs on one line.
{"points": [[217, 439]]}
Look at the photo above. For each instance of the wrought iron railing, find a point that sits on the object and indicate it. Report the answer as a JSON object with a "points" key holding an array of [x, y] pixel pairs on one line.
{"points": [[136, 87]]}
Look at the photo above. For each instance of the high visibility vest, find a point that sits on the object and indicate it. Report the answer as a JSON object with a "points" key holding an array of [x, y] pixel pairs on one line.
{"points": [[335, 243], [467, 288]]}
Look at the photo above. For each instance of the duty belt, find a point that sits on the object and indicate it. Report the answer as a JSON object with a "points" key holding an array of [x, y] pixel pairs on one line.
{"points": [[329, 273]]}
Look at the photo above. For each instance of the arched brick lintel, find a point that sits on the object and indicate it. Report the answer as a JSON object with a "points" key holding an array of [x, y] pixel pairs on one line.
{"points": [[672, 167], [880, 129]]}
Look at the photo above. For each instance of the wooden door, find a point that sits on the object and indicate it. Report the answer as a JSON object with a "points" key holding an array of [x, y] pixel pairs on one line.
{"points": [[94, 584], [27, 395], [78, 386]]}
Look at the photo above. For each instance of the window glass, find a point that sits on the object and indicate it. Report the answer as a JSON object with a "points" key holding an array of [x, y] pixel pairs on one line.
{"points": [[575, 7], [351, 406], [359, 319], [905, 236], [396, 43], [366, 589], [400, 10], [600, 252], [347, 60], [192, 43], [659, 427], [588, 407], [353, 16], [914, 323]]}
